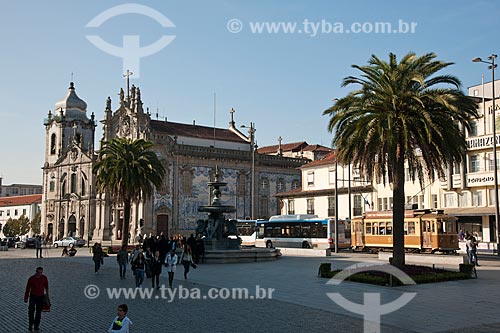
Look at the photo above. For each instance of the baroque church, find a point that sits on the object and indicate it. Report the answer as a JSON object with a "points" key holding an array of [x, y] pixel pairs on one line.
{"points": [[190, 154]]}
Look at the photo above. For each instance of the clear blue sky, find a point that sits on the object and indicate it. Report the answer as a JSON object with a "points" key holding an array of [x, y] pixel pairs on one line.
{"points": [[282, 82]]}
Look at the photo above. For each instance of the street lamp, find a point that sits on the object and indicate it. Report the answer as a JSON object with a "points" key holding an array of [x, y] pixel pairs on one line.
{"points": [[251, 131], [492, 66]]}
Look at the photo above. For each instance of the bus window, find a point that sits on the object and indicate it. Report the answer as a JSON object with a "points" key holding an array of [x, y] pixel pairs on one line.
{"points": [[368, 228], [389, 228], [306, 231], [260, 232], [295, 230], [276, 232], [411, 228], [375, 228]]}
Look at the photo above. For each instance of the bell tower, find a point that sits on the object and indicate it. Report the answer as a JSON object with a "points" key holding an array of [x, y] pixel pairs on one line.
{"points": [[67, 171]]}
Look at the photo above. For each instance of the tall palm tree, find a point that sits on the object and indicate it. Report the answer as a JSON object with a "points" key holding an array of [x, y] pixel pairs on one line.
{"points": [[127, 170], [401, 113]]}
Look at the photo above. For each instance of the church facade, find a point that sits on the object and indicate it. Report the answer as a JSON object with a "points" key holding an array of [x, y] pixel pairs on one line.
{"points": [[190, 154]]}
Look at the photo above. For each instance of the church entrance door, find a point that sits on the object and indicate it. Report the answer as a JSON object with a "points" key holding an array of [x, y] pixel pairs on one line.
{"points": [[162, 224]]}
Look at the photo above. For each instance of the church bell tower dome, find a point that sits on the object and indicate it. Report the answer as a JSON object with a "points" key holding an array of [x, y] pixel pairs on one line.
{"points": [[71, 105]]}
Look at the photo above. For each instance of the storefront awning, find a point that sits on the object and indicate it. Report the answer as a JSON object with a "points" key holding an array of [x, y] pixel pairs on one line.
{"points": [[472, 211]]}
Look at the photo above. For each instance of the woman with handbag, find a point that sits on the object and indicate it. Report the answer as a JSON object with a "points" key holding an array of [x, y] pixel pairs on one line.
{"points": [[187, 259]]}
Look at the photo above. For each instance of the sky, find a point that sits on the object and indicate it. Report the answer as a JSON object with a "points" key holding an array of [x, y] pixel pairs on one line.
{"points": [[281, 81]]}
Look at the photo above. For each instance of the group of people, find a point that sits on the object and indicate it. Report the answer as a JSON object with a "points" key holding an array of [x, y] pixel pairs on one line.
{"points": [[150, 264], [163, 245]]}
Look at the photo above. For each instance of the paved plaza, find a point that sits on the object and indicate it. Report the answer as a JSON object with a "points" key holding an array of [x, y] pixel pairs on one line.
{"points": [[299, 300]]}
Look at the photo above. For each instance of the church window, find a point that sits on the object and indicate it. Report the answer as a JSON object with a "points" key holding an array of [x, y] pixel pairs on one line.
{"points": [[263, 207], [264, 183], [186, 182], [295, 185], [242, 185], [280, 185], [73, 183], [52, 144], [51, 186], [83, 186], [63, 187]]}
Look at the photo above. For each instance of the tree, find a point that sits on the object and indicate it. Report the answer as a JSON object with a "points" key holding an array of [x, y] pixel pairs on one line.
{"points": [[22, 225], [35, 224], [8, 228], [401, 113], [17, 227], [127, 170]]}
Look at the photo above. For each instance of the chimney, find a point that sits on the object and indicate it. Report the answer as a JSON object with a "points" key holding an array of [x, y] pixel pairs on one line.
{"points": [[194, 122]]}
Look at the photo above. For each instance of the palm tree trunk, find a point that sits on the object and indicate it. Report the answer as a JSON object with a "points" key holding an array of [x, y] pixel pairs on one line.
{"points": [[126, 222], [398, 217]]}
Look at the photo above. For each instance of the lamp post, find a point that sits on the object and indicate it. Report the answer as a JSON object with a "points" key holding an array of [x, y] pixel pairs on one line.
{"points": [[492, 66], [251, 131]]}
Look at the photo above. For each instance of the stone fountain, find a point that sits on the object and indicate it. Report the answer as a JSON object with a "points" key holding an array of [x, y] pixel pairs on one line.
{"points": [[220, 235]]}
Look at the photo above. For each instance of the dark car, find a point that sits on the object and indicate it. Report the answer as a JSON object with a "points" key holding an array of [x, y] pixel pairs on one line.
{"points": [[28, 242], [9, 241]]}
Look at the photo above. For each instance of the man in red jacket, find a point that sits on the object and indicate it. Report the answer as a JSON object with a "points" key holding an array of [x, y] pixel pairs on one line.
{"points": [[35, 289]]}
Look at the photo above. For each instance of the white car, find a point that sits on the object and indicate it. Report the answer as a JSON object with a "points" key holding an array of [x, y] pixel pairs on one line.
{"points": [[66, 241]]}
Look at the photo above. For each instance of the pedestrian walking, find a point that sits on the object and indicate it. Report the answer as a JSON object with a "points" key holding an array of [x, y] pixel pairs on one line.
{"points": [[187, 259], [121, 323], [122, 259], [38, 246], [36, 288], [140, 265], [148, 255], [156, 264], [171, 264], [97, 257]]}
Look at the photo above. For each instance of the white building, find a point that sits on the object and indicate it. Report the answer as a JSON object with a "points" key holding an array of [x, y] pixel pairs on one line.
{"points": [[15, 207]]}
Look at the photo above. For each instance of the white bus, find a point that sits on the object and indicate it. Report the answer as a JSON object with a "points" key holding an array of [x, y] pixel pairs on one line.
{"points": [[247, 231], [301, 230]]}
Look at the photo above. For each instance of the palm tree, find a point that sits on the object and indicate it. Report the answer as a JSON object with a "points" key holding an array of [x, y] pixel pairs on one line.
{"points": [[127, 170], [401, 112]]}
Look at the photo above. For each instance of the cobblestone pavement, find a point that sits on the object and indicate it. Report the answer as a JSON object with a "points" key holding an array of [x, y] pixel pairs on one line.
{"points": [[299, 300], [73, 312]]}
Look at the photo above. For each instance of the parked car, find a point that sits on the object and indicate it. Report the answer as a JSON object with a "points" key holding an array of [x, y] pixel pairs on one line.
{"points": [[28, 242], [9, 241], [66, 241]]}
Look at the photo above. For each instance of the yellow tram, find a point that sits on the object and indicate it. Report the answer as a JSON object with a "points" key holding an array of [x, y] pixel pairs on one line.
{"points": [[425, 231]]}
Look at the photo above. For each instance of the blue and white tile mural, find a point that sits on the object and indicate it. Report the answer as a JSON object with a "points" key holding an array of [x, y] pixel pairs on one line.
{"points": [[187, 204]]}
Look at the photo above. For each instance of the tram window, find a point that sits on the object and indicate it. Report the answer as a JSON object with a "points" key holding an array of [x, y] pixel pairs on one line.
{"points": [[411, 228], [440, 227], [450, 227], [406, 228], [433, 224], [368, 228], [375, 228], [382, 228], [389, 228]]}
